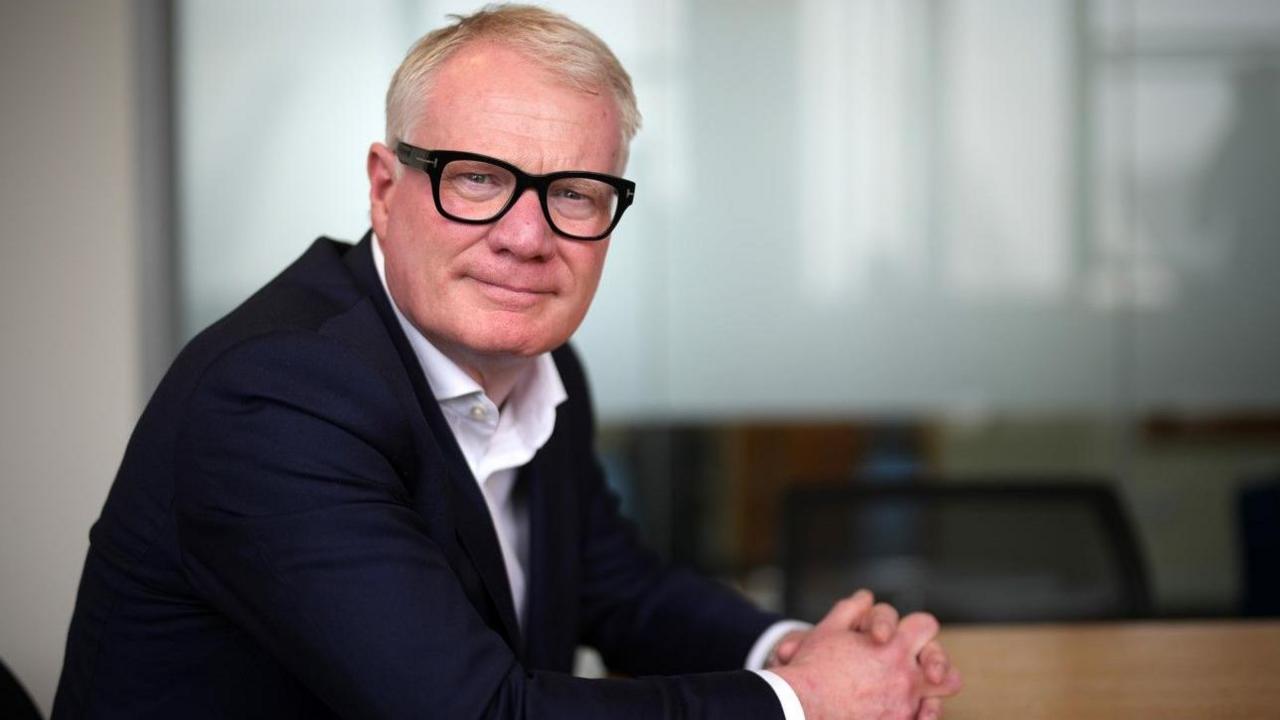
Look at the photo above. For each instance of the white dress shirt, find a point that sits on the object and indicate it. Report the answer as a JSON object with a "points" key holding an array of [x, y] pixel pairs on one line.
{"points": [[498, 441]]}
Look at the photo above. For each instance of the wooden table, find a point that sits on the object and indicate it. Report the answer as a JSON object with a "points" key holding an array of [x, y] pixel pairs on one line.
{"points": [[1202, 670]]}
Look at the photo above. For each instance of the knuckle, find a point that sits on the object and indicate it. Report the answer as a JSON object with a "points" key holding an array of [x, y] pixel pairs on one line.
{"points": [[926, 622]]}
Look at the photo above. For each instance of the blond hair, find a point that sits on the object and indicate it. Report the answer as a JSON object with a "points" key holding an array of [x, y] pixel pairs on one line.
{"points": [[569, 51]]}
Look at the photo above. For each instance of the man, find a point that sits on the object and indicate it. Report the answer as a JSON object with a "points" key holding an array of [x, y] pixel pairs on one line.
{"points": [[369, 491]]}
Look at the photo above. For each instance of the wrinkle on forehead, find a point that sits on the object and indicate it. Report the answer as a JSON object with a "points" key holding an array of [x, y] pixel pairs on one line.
{"points": [[535, 135], [527, 109]]}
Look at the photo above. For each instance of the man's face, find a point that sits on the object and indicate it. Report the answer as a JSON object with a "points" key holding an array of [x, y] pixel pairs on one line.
{"points": [[512, 288]]}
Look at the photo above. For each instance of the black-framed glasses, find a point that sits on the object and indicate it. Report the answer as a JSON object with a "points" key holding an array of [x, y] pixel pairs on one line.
{"points": [[477, 189]]}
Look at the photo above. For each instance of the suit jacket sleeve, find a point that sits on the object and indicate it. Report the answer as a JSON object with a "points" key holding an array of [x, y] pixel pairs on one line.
{"points": [[294, 521], [644, 616]]}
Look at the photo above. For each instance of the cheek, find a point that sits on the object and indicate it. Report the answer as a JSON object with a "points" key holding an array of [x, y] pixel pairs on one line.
{"points": [[424, 250], [589, 268]]}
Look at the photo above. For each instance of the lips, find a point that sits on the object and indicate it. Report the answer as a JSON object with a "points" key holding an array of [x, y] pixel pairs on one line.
{"points": [[507, 284], [511, 294]]}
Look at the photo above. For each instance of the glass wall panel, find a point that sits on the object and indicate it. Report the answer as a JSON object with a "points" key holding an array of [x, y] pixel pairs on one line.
{"points": [[872, 237]]}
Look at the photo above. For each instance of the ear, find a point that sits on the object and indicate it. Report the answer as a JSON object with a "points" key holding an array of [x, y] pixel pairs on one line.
{"points": [[383, 169]]}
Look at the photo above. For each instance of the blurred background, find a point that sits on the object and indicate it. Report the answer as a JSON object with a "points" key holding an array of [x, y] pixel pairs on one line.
{"points": [[877, 243]]}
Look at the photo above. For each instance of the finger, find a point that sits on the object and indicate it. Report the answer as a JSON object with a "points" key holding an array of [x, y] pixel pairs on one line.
{"points": [[930, 709], [847, 612], [881, 622], [954, 682], [935, 662], [917, 629], [949, 686], [787, 648]]}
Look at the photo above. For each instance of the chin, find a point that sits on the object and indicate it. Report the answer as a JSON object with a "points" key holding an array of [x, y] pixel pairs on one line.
{"points": [[512, 343]]}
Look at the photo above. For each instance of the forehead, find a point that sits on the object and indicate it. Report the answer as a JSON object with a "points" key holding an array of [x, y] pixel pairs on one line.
{"points": [[491, 99]]}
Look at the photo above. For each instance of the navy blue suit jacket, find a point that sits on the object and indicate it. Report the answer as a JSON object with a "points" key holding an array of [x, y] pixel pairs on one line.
{"points": [[293, 532]]}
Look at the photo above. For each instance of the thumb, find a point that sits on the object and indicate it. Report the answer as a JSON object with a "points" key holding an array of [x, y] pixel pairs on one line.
{"points": [[787, 649], [846, 613]]}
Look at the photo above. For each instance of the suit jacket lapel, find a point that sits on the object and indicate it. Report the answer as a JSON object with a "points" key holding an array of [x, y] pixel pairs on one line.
{"points": [[471, 516], [538, 573], [550, 610]]}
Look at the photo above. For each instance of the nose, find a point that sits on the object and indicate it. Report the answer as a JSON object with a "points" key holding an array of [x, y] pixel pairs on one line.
{"points": [[523, 231]]}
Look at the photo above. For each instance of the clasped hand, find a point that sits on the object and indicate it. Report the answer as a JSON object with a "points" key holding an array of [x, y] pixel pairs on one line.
{"points": [[862, 661]]}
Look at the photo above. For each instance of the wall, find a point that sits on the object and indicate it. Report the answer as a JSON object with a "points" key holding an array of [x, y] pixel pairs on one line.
{"points": [[69, 293]]}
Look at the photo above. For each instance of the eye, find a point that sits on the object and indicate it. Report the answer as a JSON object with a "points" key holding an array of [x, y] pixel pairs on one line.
{"points": [[581, 191]]}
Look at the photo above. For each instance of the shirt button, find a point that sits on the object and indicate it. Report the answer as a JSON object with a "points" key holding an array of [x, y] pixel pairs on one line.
{"points": [[477, 412]]}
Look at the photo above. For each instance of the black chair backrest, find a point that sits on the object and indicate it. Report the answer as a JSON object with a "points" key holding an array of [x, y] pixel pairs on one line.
{"points": [[965, 551], [1259, 514]]}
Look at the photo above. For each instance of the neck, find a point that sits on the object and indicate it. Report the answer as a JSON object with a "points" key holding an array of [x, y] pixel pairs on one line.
{"points": [[496, 375]]}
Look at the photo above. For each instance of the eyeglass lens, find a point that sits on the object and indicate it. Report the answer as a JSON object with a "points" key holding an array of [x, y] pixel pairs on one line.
{"points": [[477, 190]]}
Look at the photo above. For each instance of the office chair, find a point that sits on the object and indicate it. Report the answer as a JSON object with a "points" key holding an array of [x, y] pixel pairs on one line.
{"points": [[1258, 511], [967, 552], [15, 703]]}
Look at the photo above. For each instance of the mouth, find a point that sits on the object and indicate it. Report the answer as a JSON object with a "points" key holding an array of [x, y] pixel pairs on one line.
{"points": [[510, 295]]}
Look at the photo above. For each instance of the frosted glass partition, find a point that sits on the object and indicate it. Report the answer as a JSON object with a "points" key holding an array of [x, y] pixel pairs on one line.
{"points": [[844, 206], [277, 103], [1189, 155]]}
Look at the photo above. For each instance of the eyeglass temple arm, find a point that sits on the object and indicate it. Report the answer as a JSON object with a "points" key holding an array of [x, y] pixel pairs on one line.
{"points": [[409, 153]]}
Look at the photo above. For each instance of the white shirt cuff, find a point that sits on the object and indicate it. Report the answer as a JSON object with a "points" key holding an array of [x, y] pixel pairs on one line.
{"points": [[770, 637], [791, 709]]}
